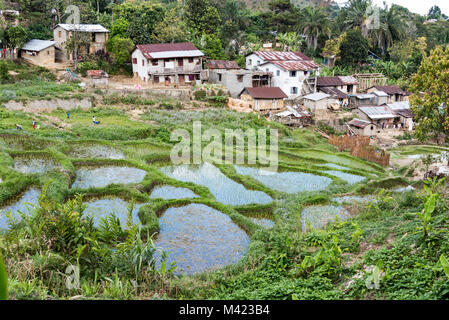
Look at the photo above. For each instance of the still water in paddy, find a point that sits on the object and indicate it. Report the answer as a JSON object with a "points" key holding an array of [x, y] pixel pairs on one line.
{"points": [[263, 222], [289, 182], [200, 238], [318, 217], [224, 189], [35, 165], [168, 192], [104, 207], [96, 152], [349, 178], [87, 177], [24, 205]]}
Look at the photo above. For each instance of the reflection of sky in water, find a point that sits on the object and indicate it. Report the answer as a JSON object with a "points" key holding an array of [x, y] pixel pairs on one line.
{"points": [[168, 192], [319, 216], [289, 182], [224, 189], [35, 165], [263, 222], [101, 177], [349, 178], [104, 207], [96, 151], [352, 199], [333, 165], [200, 238], [26, 201]]}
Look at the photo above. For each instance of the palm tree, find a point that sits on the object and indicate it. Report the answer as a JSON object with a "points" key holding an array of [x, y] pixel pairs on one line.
{"points": [[392, 27], [314, 22], [356, 15]]}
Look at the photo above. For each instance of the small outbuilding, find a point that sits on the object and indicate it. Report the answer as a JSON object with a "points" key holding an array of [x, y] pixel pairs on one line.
{"points": [[98, 77], [264, 98], [382, 116], [362, 127], [316, 102], [395, 93], [39, 52]]}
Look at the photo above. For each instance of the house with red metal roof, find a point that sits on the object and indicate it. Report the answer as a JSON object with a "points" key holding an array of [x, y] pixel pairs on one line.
{"points": [[168, 64], [264, 98], [395, 93], [290, 70]]}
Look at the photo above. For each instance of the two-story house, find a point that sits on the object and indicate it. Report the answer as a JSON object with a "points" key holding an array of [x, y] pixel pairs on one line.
{"points": [[290, 70], [97, 33], [167, 63]]}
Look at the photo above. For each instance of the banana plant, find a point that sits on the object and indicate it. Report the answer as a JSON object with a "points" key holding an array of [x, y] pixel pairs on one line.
{"points": [[3, 281]]}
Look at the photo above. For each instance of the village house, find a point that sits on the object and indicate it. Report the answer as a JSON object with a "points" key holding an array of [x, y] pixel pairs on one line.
{"points": [[97, 33], [39, 52], [362, 127], [394, 93], [98, 78], [291, 70], [235, 79], [317, 102], [402, 109], [264, 98], [345, 84], [382, 116], [294, 117], [361, 99], [168, 64], [369, 80]]}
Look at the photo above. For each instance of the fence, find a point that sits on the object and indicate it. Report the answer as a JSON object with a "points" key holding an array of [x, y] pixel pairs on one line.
{"points": [[360, 148], [348, 143]]}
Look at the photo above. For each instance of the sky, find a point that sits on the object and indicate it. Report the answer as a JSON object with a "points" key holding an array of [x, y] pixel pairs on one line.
{"points": [[417, 6]]}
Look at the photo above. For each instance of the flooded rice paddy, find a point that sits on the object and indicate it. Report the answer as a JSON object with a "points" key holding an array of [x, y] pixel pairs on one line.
{"points": [[349, 178], [289, 182], [102, 208], [35, 165], [223, 188], [168, 193], [24, 205], [96, 152], [88, 177], [200, 238], [318, 217], [263, 222]]}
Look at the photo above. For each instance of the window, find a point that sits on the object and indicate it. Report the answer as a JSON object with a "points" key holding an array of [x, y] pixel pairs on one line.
{"points": [[292, 74], [278, 73], [305, 73], [60, 34], [134, 60], [155, 62], [143, 63], [180, 62], [267, 70], [258, 62], [156, 79], [219, 77], [190, 60], [240, 77], [294, 90], [250, 62]]}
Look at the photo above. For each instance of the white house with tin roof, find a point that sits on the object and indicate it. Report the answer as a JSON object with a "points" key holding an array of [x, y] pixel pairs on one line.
{"points": [[167, 63], [290, 69]]}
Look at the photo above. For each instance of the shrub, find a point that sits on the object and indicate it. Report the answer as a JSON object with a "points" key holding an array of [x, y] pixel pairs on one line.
{"points": [[200, 95]]}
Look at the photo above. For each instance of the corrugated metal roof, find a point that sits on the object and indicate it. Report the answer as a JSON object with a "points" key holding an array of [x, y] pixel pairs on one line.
{"points": [[38, 45], [390, 90], [97, 74], [317, 96], [266, 93], [336, 81], [400, 105], [295, 65], [359, 123], [83, 27], [380, 94], [376, 113], [169, 50], [222, 64], [334, 92], [281, 56]]}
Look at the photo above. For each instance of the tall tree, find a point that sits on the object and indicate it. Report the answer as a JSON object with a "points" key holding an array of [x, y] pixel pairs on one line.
{"points": [[313, 22], [16, 37], [353, 48], [356, 15], [430, 98], [202, 16]]}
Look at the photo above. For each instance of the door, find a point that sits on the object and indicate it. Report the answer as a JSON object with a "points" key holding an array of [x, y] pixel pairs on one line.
{"points": [[180, 62], [182, 79], [167, 81]]}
